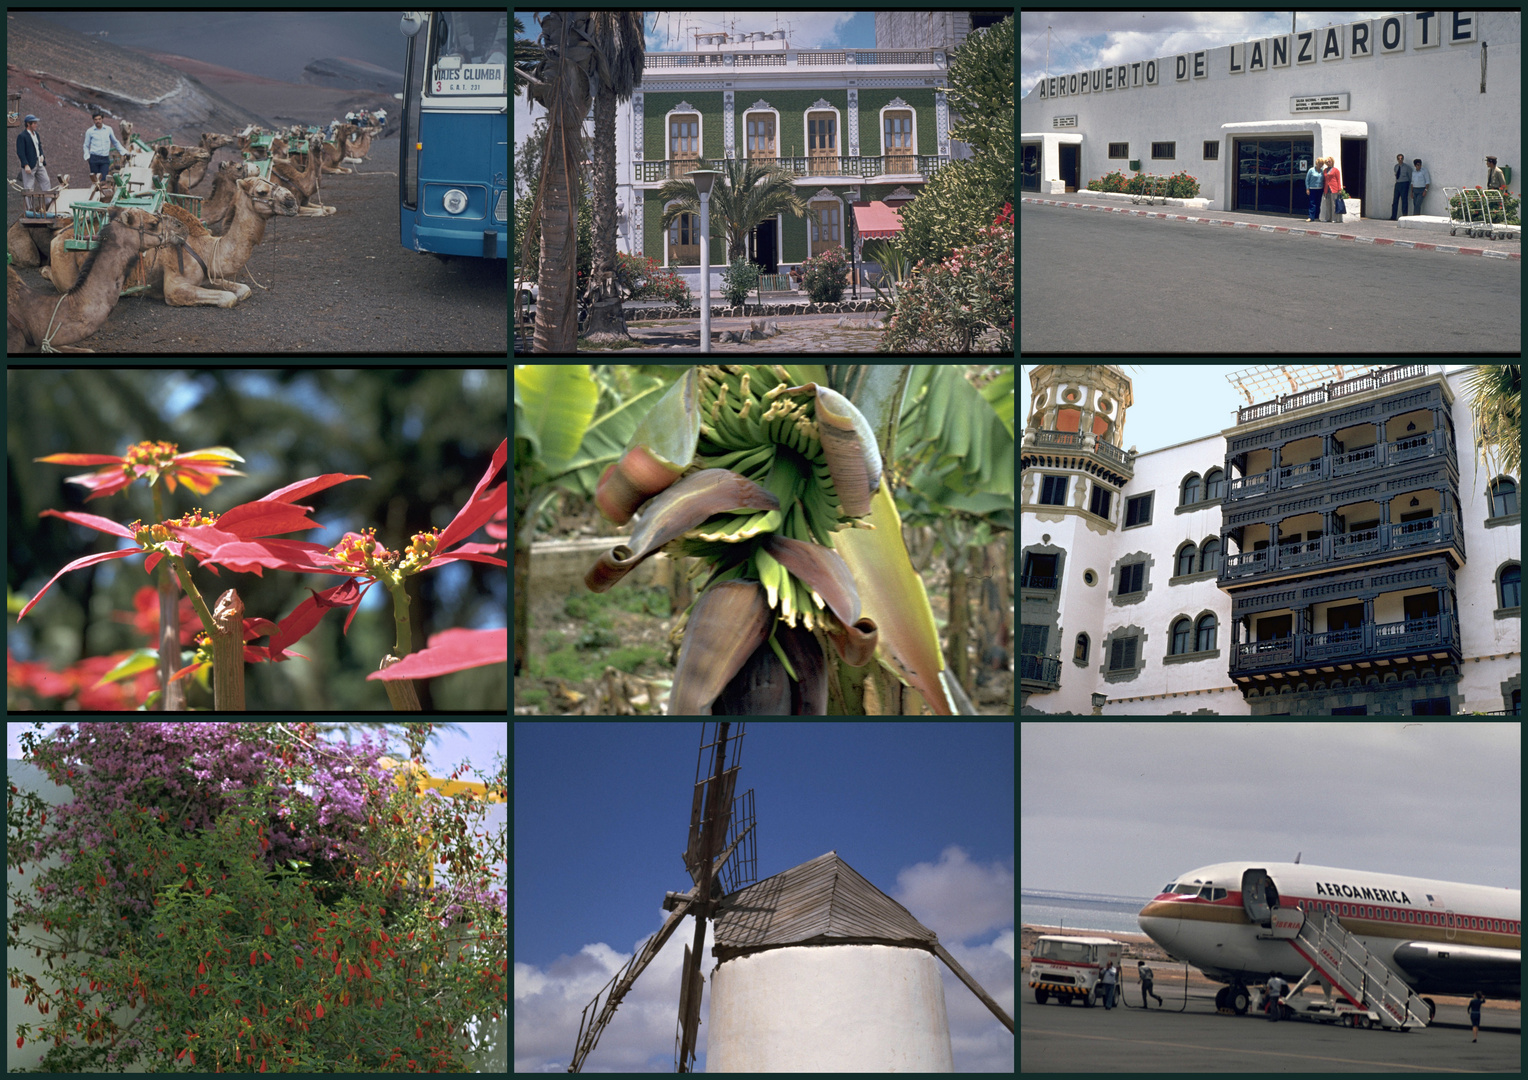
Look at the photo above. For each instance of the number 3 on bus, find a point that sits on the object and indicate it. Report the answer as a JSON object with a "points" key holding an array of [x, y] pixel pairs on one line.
{"points": [[453, 169]]}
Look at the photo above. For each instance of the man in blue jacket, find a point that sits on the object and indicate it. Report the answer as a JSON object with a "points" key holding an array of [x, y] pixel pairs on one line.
{"points": [[34, 165]]}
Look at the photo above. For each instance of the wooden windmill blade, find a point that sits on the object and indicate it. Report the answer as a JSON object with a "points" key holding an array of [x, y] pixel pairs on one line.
{"points": [[712, 818]]}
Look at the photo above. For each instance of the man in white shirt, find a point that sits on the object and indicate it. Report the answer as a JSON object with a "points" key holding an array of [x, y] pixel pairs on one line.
{"points": [[1421, 180]]}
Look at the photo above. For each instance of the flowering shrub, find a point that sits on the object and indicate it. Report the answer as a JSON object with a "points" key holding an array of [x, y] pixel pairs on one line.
{"points": [[1180, 185], [289, 887], [738, 280], [826, 275], [641, 278], [946, 307]]}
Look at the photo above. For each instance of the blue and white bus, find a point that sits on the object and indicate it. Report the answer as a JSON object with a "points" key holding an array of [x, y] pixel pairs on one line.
{"points": [[453, 169]]}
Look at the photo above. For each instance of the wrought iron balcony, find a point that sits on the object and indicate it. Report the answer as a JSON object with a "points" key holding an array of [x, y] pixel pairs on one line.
{"points": [[1411, 638], [1040, 671], [1341, 548], [1334, 391], [1336, 466], [826, 168], [1072, 440]]}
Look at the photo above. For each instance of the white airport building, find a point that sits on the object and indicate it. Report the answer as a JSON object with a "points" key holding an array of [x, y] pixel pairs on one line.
{"points": [[1334, 552], [1247, 120]]}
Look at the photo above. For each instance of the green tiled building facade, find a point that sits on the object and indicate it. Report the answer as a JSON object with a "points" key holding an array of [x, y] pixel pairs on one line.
{"points": [[853, 126]]}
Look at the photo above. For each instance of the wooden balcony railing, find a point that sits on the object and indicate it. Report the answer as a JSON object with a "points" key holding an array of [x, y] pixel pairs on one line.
{"points": [[854, 168], [1340, 548], [1369, 641]]}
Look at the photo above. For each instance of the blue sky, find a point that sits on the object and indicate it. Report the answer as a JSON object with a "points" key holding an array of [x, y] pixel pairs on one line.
{"points": [[923, 811], [476, 743]]}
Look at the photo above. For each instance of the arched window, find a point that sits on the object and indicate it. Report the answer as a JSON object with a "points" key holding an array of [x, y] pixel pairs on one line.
{"points": [[1210, 555], [1185, 560], [1080, 652], [1181, 630], [1215, 484], [1511, 586], [1204, 635], [1190, 491], [1503, 497]]}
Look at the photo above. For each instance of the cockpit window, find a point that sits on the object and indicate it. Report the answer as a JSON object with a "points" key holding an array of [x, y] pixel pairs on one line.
{"points": [[1183, 888]]}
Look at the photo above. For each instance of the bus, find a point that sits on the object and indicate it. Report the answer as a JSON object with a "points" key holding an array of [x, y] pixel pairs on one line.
{"points": [[453, 168]]}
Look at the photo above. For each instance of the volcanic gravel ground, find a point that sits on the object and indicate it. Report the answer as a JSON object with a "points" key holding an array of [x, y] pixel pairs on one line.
{"points": [[342, 283]]}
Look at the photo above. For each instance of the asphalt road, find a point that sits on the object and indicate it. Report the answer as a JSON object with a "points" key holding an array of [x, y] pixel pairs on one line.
{"points": [[1114, 283], [1069, 1038]]}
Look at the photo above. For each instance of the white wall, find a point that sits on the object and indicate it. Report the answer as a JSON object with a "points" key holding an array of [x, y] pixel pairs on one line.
{"points": [[1424, 103]]}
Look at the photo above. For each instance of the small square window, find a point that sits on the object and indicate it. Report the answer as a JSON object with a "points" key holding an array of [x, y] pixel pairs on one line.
{"points": [[1053, 490], [1100, 501], [1211, 150], [1138, 510], [1122, 654], [1132, 578]]}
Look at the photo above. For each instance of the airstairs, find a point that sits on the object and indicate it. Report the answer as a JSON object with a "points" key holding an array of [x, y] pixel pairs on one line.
{"points": [[1340, 959]]}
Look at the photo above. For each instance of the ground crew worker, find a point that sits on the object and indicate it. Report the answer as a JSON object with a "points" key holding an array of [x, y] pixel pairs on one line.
{"points": [[1110, 977], [1475, 1015], [1277, 987], [1144, 974]]}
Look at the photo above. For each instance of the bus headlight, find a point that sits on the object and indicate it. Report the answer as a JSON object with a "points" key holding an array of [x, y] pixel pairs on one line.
{"points": [[455, 201]]}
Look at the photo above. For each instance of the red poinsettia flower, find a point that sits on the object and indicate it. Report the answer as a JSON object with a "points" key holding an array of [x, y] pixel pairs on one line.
{"points": [[367, 560], [199, 470], [451, 650], [249, 524]]}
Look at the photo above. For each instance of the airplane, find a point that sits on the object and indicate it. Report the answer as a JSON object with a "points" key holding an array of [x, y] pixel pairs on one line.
{"points": [[1439, 937]]}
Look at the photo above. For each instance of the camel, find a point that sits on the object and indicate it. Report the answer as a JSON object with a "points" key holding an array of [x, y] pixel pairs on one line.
{"points": [[359, 145], [303, 182], [172, 161], [217, 210], [334, 152], [39, 320], [216, 259], [211, 143]]}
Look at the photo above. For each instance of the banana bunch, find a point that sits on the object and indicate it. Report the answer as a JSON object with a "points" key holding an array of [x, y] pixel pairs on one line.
{"points": [[751, 469]]}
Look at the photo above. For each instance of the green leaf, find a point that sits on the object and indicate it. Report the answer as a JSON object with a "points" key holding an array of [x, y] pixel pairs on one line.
{"points": [[137, 662], [554, 405]]}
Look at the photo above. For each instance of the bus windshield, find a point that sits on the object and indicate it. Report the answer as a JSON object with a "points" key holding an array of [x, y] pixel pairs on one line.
{"points": [[469, 55]]}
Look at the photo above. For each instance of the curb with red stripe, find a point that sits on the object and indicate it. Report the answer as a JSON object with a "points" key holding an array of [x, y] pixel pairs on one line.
{"points": [[1446, 249]]}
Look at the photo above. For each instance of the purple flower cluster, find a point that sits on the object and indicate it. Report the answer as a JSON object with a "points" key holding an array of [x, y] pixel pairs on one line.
{"points": [[184, 775]]}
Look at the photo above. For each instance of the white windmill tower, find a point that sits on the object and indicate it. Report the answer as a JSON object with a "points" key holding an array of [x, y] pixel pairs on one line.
{"points": [[818, 970]]}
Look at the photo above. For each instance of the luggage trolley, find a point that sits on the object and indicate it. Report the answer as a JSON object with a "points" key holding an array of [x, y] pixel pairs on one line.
{"points": [[1496, 226], [1470, 213], [1153, 188]]}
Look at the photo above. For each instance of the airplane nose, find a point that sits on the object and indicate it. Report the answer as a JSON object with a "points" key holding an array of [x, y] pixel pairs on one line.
{"points": [[1160, 929]]}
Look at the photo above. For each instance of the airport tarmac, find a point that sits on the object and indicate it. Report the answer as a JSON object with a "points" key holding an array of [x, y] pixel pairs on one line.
{"points": [[1069, 1038]]}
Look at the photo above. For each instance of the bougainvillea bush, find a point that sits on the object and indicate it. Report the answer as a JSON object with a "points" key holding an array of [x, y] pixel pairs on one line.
{"points": [[247, 897]]}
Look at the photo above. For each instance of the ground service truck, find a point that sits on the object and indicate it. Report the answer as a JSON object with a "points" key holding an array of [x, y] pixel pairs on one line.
{"points": [[1070, 967]]}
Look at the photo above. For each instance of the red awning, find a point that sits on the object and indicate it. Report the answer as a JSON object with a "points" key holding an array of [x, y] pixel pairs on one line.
{"points": [[877, 220]]}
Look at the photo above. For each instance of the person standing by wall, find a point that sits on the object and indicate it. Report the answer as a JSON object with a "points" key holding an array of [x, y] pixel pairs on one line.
{"points": [[1333, 178], [1496, 180], [1421, 180], [1402, 186], [1314, 182]]}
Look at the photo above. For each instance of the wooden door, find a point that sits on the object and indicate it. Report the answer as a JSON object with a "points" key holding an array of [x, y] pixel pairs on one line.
{"points": [[897, 140], [761, 137], [822, 144], [684, 144]]}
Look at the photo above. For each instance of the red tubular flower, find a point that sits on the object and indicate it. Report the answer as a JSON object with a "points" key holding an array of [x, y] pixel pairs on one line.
{"points": [[199, 470]]}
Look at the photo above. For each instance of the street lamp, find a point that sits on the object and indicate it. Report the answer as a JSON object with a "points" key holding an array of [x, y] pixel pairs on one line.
{"points": [[704, 178]]}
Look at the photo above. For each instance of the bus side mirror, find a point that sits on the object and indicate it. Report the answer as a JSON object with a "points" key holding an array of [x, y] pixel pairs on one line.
{"points": [[411, 23]]}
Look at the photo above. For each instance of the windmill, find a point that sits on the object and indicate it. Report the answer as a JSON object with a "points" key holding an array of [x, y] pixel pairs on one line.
{"points": [[715, 820]]}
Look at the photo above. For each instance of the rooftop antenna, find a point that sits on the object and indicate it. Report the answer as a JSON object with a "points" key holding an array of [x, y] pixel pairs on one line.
{"points": [[719, 825]]}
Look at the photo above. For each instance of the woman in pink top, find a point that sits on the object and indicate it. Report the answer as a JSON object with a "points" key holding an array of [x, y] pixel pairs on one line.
{"points": [[1329, 191]]}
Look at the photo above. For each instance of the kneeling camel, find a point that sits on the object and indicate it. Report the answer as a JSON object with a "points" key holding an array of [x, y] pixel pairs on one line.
{"points": [[40, 320], [211, 259]]}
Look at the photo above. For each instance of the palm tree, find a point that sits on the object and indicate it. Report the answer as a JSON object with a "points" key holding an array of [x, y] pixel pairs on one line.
{"points": [[1497, 404], [620, 53], [561, 84], [527, 55], [747, 193]]}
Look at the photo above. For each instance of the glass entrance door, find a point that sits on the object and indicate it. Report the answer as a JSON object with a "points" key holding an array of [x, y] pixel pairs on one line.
{"points": [[1271, 174]]}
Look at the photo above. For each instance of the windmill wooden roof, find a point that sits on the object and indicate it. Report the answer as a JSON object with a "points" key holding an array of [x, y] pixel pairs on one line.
{"points": [[821, 902]]}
